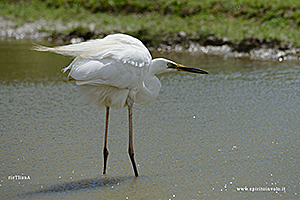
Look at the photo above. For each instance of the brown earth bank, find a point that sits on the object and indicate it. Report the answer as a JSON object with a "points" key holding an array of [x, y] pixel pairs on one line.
{"points": [[250, 47]]}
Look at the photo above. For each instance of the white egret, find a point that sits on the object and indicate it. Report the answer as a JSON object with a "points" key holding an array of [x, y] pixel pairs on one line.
{"points": [[116, 71]]}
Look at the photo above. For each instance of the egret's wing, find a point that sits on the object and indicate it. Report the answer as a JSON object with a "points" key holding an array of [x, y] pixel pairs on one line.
{"points": [[119, 46], [123, 48], [108, 72], [118, 60]]}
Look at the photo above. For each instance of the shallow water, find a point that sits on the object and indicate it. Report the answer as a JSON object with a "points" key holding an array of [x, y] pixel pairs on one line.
{"points": [[205, 136]]}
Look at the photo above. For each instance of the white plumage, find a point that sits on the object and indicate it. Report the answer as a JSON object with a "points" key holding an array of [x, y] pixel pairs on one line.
{"points": [[116, 71], [116, 64]]}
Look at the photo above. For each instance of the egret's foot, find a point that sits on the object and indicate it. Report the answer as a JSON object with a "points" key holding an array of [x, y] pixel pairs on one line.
{"points": [[105, 155], [131, 155]]}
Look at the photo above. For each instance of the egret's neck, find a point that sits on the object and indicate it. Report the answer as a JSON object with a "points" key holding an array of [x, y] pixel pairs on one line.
{"points": [[150, 87], [157, 66]]}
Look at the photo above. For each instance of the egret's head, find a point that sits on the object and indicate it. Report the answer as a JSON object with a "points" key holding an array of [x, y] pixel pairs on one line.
{"points": [[161, 65]]}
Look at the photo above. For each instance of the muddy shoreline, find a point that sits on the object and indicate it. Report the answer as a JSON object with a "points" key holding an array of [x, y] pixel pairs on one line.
{"points": [[249, 47]]}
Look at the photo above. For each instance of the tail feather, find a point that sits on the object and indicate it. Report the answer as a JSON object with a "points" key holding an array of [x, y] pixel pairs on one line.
{"points": [[37, 47], [64, 50], [81, 49]]}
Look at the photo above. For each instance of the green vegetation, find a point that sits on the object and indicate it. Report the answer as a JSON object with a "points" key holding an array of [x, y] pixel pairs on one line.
{"points": [[151, 20]]}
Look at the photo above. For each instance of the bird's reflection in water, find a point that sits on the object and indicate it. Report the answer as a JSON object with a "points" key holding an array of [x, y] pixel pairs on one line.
{"points": [[83, 184]]}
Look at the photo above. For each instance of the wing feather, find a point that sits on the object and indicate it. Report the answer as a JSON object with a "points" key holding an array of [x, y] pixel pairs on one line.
{"points": [[121, 47], [107, 72], [117, 60]]}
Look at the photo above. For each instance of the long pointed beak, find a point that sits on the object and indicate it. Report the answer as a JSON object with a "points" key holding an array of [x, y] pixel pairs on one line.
{"points": [[190, 69]]}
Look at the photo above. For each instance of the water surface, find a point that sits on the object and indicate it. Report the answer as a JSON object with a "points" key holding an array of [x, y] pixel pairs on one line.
{"points": [[205, 136]]}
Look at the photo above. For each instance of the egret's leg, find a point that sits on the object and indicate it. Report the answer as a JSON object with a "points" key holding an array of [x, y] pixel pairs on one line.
{"points": [[105, 150], [130, 148]]}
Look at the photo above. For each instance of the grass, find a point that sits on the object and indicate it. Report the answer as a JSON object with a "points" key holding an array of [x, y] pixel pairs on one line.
{"points": [[235, 20]]}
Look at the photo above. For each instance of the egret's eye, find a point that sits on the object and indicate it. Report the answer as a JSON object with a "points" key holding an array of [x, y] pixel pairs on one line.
{"points": [[171, 65]]}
